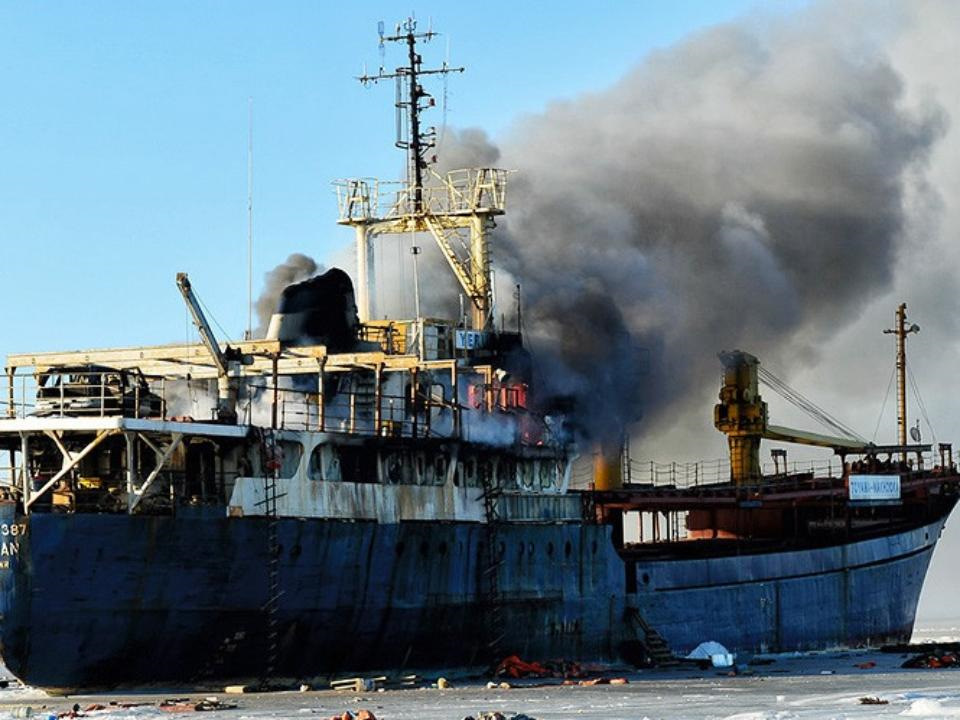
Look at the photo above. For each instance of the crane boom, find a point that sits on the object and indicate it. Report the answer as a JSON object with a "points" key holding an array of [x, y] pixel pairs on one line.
{"points": [[226, 361], [804, 437], [203, 327]]}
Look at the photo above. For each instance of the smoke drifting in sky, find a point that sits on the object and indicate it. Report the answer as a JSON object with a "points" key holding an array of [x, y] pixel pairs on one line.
{"points": [[745, 188]]}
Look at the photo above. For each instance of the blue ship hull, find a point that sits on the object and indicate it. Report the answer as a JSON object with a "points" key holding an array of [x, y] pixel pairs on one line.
{"points": [[103, 600], [860, 594]]}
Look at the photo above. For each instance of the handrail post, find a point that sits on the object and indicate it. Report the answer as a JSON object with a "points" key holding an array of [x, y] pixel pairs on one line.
{"points": [[11, 400], [129, 441], [414, 392], [25, 479], [321, 410]]}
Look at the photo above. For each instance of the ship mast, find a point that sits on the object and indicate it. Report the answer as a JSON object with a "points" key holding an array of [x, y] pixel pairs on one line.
{"points": [[412, 99], [457, 209], [901, 331]]}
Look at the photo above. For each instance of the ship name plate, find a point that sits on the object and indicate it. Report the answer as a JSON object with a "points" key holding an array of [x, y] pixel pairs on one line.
{"points": [[874, 487]]}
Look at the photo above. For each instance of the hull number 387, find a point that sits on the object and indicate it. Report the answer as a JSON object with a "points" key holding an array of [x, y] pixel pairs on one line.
{"points": [[10, 534]]}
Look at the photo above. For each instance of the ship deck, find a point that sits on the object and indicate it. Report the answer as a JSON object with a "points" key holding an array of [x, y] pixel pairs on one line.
{"points": [[772, 491]]}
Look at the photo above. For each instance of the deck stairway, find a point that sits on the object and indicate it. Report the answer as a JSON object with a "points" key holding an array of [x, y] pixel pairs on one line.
{"points": [[657, 649]]}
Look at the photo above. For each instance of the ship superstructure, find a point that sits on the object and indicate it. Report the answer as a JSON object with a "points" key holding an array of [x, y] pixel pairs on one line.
{"points": [[350, 493]]}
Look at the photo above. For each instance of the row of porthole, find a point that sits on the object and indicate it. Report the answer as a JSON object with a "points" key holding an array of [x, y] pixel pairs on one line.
{"points": [[528, 548]]}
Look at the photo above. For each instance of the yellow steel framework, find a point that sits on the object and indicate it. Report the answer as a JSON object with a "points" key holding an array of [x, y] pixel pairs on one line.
{"points": [[458, 211]]}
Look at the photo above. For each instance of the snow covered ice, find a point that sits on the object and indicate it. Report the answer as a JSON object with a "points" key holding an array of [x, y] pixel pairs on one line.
{"points": [[819, 686]]}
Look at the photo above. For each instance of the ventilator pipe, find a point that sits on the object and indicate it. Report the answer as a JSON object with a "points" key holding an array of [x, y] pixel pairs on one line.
{"points": [[607, 470], [227, 399]]}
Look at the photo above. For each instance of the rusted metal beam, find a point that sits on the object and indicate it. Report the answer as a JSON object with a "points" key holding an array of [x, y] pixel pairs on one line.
{"points": [[70, 463], [162, 457]]}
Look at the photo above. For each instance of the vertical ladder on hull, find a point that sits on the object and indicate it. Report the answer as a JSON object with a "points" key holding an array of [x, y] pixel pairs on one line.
{"points": [[271, 607], [657, 649], [493, 602]]}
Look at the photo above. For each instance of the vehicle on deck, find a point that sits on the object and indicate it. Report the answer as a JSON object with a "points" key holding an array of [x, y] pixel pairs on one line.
{"points": [[95, 390]]}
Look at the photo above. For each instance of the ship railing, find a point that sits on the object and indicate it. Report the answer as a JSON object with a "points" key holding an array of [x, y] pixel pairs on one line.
{"points": [[357, 413], [78, 392], [390, 336], [360, 411], [351, 413], [707, 472], [458, 192], [9, 479], [19, 397], [354, 414]]}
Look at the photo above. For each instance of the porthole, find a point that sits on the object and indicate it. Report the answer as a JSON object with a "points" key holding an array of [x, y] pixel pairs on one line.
{"points": [[424, 548], [568, 549], [530, 549], [550, 549], [593, 547], [646, 579], [399, 548], [443, 548]]}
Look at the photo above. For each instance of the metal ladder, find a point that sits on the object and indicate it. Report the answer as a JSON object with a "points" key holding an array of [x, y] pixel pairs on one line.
{"points": [[271, 607], [492, 599]]}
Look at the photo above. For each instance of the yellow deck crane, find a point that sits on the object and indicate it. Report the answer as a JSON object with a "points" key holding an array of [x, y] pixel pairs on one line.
{"points": [[741, 415]]}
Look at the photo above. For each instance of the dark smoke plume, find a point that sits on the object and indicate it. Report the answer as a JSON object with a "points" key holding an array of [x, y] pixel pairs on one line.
{"points": [[295, 268], [745, 188]]}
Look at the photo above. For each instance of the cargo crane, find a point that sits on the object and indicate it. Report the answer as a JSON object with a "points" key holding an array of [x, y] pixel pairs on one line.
{"points": [[227, 361], [741, 415]]}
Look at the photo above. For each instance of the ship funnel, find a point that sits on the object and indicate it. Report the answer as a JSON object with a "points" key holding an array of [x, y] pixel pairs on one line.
{"points": [[318, 311]]}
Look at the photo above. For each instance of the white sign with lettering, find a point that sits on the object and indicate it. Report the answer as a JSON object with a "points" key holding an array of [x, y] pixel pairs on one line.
{"points": [[470, 340], [874, 487]]}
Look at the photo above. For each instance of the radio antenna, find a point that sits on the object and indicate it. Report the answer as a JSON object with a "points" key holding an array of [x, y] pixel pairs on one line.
{"points": [[411, 100], [249, 218], [443, 102]]}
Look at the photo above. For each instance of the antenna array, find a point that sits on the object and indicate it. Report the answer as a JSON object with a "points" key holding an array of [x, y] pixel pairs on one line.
{"points": [[411, 100]]}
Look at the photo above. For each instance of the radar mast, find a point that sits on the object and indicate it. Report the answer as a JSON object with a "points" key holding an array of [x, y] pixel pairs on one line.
{"points": [[457, 208]]}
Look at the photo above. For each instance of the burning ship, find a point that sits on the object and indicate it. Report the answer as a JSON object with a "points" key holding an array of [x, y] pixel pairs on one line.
{"points": [[373, 494]]}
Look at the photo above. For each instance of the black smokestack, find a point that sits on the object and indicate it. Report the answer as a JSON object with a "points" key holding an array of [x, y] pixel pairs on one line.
{"points": [[295, 268], [321, 310]]}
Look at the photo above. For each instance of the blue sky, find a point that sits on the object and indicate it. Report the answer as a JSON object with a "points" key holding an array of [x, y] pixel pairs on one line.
{"points": [[123, 137]]}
